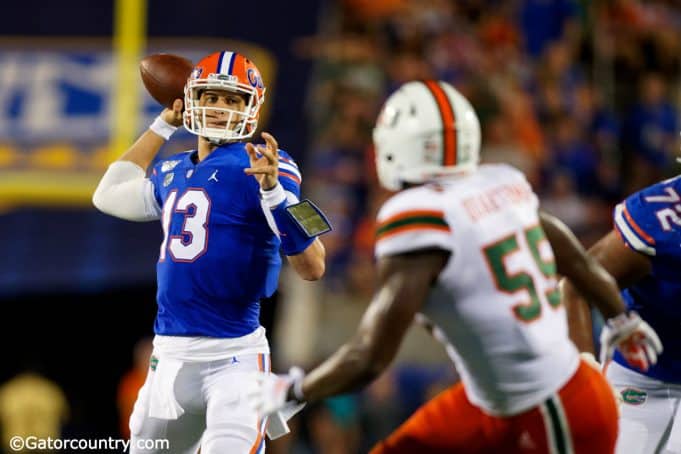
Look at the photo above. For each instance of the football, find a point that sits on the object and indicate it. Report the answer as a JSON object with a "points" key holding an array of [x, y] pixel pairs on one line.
{"points": [[164, 76]]}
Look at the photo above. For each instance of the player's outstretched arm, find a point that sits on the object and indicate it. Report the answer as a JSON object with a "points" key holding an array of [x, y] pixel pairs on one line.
{"points": [[124, 191], [404, 283]]}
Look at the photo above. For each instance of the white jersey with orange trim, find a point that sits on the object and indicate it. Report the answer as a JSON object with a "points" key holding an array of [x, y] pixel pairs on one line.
{"points": [[509, 329]]}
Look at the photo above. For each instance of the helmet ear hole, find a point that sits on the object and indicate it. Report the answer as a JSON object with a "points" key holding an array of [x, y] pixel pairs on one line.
{"points": [[389, 157]]}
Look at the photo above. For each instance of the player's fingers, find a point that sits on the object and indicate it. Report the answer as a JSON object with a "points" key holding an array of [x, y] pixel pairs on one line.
{"points": [[177, 106], [650, 353], [654, 339], [271, 142], [267, 153]]}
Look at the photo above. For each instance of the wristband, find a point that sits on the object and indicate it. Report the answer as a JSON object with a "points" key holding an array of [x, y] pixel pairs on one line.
{"points": [[298, 224], [162, 128], [274, 196]]}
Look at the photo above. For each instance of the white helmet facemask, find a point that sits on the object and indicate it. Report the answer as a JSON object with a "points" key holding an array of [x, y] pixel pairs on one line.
{"points": [[238, 125], [425, 130]]}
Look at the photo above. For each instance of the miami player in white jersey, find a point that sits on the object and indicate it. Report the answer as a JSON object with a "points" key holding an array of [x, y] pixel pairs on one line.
{"points": [[469, 237], [226, 209]]}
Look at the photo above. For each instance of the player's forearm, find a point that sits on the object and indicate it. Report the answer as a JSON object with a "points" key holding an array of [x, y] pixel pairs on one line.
{"points": [[600, 289], [350, 368], [310, 264], [578, 317], [142, 152]]}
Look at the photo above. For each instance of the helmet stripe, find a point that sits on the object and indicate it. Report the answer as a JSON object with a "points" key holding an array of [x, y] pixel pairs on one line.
{"points": [[232, 57], [225, 63], [222, 56], [449, 157]]}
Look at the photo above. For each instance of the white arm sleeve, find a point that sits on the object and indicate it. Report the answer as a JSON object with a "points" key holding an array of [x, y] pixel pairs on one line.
{"points": [[126, 193]]}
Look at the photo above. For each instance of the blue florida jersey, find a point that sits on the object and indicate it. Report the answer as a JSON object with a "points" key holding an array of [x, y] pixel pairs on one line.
{"points": [[649, 222], [219, 256]]}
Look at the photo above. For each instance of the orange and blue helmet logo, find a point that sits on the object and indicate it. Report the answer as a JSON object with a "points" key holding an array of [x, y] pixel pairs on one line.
{"points": [[254, 78]]}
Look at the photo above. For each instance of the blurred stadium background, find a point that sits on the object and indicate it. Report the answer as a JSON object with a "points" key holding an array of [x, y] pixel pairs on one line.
{"points": [[583, 96]]}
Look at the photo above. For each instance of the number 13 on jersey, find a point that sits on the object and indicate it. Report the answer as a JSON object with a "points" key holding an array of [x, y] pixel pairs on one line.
{"points": [[192, 242], [496, 255]]}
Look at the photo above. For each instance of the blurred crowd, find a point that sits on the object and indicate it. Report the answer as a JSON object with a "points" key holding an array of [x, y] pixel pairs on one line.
{"points": [[582, 96]]}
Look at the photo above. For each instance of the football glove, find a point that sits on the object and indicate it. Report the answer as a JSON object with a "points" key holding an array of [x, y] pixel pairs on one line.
{"points": [[268, 393], [634, 338]]}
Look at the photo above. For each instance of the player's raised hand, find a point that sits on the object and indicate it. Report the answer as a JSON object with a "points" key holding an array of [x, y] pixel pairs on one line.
{"points": [[173, 116], [634, 338], [264, 161]]}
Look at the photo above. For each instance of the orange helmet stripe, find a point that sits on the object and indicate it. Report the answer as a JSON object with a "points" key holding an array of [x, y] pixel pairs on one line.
{"points": [[448, 121]]}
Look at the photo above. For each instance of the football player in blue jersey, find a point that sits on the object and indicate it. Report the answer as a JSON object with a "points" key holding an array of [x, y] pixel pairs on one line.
{"points": [[226, 209], [643, 253]]}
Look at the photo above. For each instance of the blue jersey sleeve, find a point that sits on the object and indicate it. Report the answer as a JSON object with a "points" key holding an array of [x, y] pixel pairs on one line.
{"points": [[649, 221], [289, 174]]}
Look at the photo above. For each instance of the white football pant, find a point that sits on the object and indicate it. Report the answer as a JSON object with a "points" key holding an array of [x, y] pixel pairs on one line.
{"points": [[650, 420], [213, 415]]}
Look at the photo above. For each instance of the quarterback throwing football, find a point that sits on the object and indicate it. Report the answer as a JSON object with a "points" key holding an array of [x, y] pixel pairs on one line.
{"points": [[226, 209]]}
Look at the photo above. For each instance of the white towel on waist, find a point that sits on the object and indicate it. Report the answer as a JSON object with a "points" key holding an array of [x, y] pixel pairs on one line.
{"points": [[162, 402]]}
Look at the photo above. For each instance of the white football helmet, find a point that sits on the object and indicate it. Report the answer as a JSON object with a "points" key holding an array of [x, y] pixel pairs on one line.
{"points": [[425, 130]]}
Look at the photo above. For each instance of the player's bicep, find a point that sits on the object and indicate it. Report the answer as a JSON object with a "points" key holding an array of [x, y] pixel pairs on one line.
{"points": [[126, 193], [623, 263]]}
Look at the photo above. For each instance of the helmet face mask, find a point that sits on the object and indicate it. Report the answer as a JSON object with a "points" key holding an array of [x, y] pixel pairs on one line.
{"points": [[425, 130], [224, 72]]}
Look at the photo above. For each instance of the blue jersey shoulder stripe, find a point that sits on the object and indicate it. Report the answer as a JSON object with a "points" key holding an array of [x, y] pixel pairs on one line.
{"points": [[290, 176], [289, 168], [631, 233]]}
